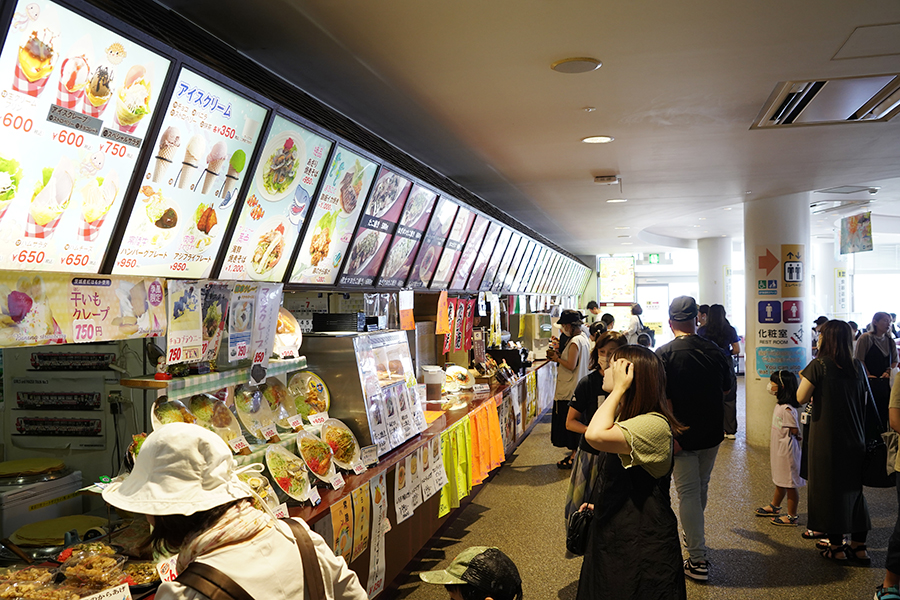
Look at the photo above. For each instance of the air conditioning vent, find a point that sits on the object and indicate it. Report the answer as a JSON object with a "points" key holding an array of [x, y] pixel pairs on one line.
{"points": [[824, 102], [825, 207]]}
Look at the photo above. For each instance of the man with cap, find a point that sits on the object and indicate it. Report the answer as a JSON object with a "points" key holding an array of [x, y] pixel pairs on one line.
{"points": [[698, 375], [479, 573]]}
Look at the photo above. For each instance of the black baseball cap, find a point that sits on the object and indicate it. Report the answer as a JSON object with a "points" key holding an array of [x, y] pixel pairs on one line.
{"points": [[570, 316], [683, 308], [484, 568]]}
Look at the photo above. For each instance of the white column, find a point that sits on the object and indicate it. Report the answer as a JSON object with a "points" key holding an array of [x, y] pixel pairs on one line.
{"points": [[779, 319], [714, 271], [824, 267]]}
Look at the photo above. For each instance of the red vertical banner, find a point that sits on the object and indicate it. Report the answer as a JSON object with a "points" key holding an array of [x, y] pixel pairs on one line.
{"points": [[451, 314], [459, 325], [470, 323]]}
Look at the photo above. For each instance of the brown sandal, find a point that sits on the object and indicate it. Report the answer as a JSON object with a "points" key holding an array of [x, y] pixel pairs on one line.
{"points": [[831, 553]]}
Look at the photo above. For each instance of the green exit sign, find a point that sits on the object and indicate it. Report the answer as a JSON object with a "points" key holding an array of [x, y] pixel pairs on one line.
{"points": [[654, 259]]}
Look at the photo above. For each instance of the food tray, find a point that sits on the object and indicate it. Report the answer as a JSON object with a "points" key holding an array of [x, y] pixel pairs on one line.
{"points": [[99, 570], [317, 455], [253, 410], [58, 400], [345, 455], [135, 570], [288, 472], [310, 393]]}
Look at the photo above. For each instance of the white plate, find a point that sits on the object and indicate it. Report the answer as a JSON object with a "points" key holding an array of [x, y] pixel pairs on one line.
{"points": [[267, 226], [274, 144], [354, 458], [380, 237], [300, 473]]}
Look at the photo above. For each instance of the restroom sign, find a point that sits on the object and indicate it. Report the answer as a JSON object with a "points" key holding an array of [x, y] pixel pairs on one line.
{"points": [[792, 311], [770, 311], [793, 270]]}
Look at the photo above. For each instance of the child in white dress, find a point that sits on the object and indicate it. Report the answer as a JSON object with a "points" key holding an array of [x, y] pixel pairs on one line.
{"points": [[784, 450]]}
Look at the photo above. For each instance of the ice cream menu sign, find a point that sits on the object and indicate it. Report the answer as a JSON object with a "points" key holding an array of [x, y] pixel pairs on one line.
{"points": [[333, 220], [75, 104], [433, 244], [278, 200], [376, 229], [408, 237], [190, 187]]}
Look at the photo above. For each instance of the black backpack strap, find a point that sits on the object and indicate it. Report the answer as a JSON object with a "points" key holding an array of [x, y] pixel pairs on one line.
{"points": [[312, 572], [212, 583]]}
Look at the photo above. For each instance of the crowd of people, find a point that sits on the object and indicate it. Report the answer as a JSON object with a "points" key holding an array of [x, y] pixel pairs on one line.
{"points": [[646, 420]]}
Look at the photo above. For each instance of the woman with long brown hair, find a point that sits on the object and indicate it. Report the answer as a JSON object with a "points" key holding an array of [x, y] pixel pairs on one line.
{"points": [[633, 549], [837, 386]]}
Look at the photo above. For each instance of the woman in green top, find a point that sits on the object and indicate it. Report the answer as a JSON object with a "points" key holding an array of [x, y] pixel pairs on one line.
{"points": [[633, 549]]}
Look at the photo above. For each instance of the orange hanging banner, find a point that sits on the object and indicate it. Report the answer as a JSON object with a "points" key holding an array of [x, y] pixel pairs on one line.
{"points": [[407, 322], [443, 323]]}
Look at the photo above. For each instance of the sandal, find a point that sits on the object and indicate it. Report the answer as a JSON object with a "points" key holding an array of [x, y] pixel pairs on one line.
{"points": [[565, 463], [823, 544], [785, 521], [832, 552], [853, 553], [809, 534], [768, 511]]}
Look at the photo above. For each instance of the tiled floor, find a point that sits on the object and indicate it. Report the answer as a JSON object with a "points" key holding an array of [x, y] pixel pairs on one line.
{"points": [[520, 511]]}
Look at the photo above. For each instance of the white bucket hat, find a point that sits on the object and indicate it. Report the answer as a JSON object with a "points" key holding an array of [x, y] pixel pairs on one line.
{"points": [[181, 469]]}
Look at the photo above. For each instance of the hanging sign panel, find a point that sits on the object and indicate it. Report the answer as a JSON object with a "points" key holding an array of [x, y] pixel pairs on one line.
{"points": [[278, 201], [72, 123], [190, 187], [453, 249], [433, 243], [406, 241], [469, 253]]}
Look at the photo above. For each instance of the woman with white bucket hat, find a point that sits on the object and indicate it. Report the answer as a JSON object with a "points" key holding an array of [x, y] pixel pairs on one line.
{"points": [[185, 481]]}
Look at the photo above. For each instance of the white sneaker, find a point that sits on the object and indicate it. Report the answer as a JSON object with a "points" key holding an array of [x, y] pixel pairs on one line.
{"points": [[698, 571], [730, 436]]}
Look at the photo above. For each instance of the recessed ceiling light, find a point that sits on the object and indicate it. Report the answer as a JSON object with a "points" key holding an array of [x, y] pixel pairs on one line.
{"points": [[702, 218], [579, 64], [723, 235], [598, 139], [623, 227], [696, 226], [617, 201], [624, 236], [749, 192], [705, 231], [626, 243], [727, 208]]}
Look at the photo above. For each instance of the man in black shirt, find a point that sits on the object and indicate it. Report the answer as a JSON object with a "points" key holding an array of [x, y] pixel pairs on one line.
{"points": [[697, 377]]}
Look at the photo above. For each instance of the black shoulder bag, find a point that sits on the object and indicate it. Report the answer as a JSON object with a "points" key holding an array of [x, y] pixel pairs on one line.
{"points": [[875, 466], [648, 330], [577, 531]]}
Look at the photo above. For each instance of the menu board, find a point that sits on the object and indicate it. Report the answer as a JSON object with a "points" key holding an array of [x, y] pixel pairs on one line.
{"points": [[494, 262], [565, 278], [334, 218], [518, 268], [408, 237], [190, 187], [79, 102], [432, 244], [537, 268], [520, 285], [550, 278], [484, 255], [616, 279], [370, 245], [278, 200], [548, 273], [470, 251], [503, 269], [453, 249]]}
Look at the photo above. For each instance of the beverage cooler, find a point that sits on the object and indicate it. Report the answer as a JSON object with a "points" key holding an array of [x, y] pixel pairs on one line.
{"points": [[372, 382]]}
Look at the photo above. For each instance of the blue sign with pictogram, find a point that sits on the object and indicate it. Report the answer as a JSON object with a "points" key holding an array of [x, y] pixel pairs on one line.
{"points": [[770, 311]]}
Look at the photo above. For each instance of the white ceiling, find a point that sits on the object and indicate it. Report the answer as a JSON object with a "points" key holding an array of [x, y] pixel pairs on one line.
{"points": [[466, 87]]}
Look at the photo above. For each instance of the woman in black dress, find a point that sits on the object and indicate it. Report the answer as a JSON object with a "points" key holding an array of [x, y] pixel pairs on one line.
{"points": [[878, 352], [633, 550], [837, 386], [720, 332]]}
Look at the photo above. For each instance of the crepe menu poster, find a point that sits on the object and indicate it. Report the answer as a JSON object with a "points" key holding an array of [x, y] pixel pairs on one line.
{"points": [[333, 219], [278, 200], [453, 249], [373, 237], [432, 244], [408, 237], [469, 253], [484, 255], [506, 262], [190, 187], [494, 261], [76, 102]]}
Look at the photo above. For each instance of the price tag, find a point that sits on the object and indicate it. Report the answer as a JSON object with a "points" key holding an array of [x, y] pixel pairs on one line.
{"points": [[369, 455], [269, 431], [85, 330], [288, 353], [166, 569], [242, 350], [359, 468], [295, 421], [337, 482], [314, 496], [239, 443], [281, 511], [318, 419], [482, 388]]}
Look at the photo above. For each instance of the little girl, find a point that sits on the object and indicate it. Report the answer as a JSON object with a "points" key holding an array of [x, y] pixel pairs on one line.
{"points": [[784, 450]]}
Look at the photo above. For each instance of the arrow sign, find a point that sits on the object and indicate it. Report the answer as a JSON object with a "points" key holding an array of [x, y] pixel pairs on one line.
{"points": [[790, 255], [768, 262]]}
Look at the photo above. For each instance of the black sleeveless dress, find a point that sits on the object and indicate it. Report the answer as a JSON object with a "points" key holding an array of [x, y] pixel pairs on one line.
{"points": [[633, 550]]}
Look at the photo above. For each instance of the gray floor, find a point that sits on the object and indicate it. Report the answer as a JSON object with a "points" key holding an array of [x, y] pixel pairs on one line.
{"points": [[520, 511]]}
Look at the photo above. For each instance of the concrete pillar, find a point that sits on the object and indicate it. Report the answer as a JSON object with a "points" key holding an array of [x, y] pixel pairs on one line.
{"points": [[779, 318], [824, 268], [714, 271]]}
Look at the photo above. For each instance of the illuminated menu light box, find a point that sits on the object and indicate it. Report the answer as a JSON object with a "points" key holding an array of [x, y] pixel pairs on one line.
{"points": [[505, 262], [534, 268], [433, 243], [524, 245], [453, 249], [73, 118], [334, 218], [617, 279], [550, 274], [408, 237], [493, 265], [522, 267], [190, 189], [376, 229], [470, 253], [278, 200], [540, 282], [484, 254]]}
